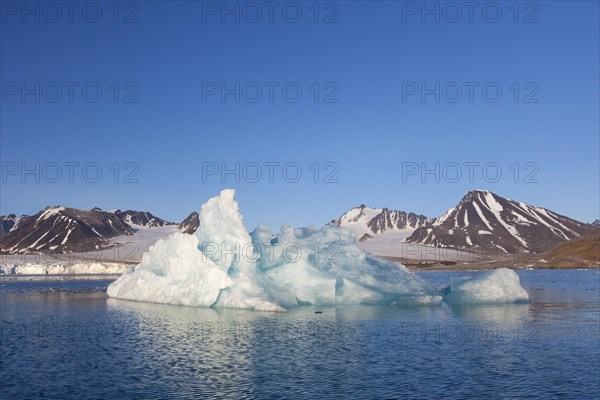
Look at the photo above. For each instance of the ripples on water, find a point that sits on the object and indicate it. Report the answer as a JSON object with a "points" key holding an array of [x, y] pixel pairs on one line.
{"points": [[68, 340]]}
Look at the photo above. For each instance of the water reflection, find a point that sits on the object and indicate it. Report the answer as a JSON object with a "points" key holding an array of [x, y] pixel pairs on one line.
{"points": [[492, 312], [68, 344]]}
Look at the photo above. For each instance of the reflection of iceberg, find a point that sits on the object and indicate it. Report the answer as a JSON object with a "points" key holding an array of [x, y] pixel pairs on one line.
{"points": [[498, 312], [500, 285], [224, 266]]}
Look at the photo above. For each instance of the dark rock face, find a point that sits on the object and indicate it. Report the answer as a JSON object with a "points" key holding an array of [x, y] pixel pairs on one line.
{"points": [[6, 223], [61, 229], [11, 222], [390, 219], [596, 223], [142, 218], [376, 221], [190, 224], [485, 220], [365, 237]]}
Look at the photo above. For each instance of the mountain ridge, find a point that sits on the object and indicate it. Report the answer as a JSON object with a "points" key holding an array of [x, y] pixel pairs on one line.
{"points": [[483, 219], [367, 222], [61, 229], [190, 223]]}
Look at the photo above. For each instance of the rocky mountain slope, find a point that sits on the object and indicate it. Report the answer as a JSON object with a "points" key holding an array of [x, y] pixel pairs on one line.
{"points": [[11, 222], [487, 221], [367, 222], [63, 229], [142, 218], [190, 223]]}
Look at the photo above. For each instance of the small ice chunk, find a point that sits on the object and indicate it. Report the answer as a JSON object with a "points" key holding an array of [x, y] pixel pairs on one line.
{"points": [[500, 285]]}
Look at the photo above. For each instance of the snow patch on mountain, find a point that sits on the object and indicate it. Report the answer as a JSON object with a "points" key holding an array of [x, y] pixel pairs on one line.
{"points": [[363, 220]]}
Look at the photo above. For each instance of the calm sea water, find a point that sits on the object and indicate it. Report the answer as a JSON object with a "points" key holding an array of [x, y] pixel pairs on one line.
{"points": [[66, 339]]}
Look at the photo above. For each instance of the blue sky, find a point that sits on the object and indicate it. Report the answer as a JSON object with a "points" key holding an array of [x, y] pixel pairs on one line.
{"points": [[370, 123]]}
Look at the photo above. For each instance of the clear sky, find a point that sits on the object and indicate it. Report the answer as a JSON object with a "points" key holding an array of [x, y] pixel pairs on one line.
{"points": [[386, 91]]}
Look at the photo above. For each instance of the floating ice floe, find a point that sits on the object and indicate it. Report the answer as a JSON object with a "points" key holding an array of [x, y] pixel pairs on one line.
{"points": [[500, 285], [222, 265]]}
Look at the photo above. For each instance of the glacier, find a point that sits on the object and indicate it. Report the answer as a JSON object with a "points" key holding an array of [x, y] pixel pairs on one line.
{"points": [[222, 265], [18, 267]]}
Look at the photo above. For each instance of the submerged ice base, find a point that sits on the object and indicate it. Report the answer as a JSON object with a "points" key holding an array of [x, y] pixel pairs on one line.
{"points": [[223, 265]]}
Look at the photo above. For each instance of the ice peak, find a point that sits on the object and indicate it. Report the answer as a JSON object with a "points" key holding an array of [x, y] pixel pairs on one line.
{"points": [[227, 194], [222, 223]]}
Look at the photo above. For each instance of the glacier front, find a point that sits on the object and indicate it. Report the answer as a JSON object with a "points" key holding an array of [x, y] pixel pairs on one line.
{"points": [[222, 265]]}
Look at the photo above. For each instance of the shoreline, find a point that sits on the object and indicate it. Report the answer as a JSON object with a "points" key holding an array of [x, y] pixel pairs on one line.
{"points": [[573, 264], [477, 267], [425, 268]]}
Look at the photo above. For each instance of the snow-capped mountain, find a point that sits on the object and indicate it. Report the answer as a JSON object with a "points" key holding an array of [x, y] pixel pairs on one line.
{"points": [[190, 223], [65, 229], [367, 222], [596, 223], [485, 220], [142, 218], [10, 222]]}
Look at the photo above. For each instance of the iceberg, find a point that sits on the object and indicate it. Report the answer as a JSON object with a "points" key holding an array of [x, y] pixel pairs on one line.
{"points": [[224, 266], [500, 285]]}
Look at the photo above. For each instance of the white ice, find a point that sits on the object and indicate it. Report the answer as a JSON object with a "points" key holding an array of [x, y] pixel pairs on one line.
{"points": [[173, 272], [500, 285], [222, 265], [18, 267]]}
